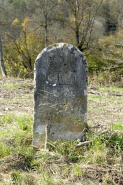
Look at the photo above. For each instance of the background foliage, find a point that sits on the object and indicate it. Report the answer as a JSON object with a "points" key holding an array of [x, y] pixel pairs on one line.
{"points": [[94, 26]]}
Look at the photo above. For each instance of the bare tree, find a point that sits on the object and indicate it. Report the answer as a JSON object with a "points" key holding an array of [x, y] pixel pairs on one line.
{"points": [[81, 18], [2, 24], [1, 59], [43, 12]]}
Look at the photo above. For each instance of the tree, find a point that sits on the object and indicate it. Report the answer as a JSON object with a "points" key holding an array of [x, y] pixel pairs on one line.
{"points": [[43, 15], [107, 55], [1, 59], [108, 11], [18, 9], [23, 42], [81, 15], [28, 26], [112, 50], [3, 16], [118, 12]]}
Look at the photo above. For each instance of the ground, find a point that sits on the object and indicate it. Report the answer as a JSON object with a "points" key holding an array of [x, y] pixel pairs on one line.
{"points": [[16, 96], [105, 111]]}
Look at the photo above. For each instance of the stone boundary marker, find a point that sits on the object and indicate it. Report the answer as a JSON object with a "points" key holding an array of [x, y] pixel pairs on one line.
{"points": [[60, 94]]}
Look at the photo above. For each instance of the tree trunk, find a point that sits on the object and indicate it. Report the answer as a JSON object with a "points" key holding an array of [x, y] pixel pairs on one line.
{"points": [[77, 33], [1, 59], [46, 34], [45, 14], [76, 22]]}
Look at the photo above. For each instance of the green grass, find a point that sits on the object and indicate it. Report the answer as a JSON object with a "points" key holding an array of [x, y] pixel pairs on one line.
{"points": [[94, 97], [15, 134], [22, 122], [118, 126], [16, 137], [13, 85], [61, 162], [111, 89], [68, 149]]}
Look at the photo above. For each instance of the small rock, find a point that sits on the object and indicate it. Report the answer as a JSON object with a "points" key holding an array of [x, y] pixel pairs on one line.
{"points": [[1, 114], [6, 109]]}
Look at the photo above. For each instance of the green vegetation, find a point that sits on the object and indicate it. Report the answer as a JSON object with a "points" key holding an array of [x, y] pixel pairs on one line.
{"points": [[95, 27], [106, 78], [16, 139], [111, 89], [61, 163], [104, 99], [15, 134], [13, 85], [118, 126]]}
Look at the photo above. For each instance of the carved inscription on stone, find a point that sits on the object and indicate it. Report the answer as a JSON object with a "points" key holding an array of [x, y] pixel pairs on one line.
{"points": [[56, 78]]}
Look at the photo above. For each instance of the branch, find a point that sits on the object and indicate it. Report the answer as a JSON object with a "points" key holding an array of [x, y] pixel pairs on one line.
{"points": [[17, 48], [93, 20], [85, 143], [29, 57], [89, 26]]}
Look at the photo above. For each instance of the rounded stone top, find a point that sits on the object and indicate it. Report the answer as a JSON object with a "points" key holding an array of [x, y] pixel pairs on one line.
{"points": [[60, 46], [59, 59]]}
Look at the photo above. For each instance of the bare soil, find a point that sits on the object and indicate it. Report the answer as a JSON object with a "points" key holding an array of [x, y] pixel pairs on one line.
{"points": [[16, 100], [103, 111]]}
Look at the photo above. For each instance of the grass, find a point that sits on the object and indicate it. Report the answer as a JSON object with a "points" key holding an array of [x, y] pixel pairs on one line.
{"points": [[118, 126], [15, 134], [104, 98], [16, 137], [62, 163], [14, 85], [112, 89]]}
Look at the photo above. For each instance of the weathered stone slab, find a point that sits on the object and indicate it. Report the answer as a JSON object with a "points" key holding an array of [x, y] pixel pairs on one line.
{"points": [[60, 96]]}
